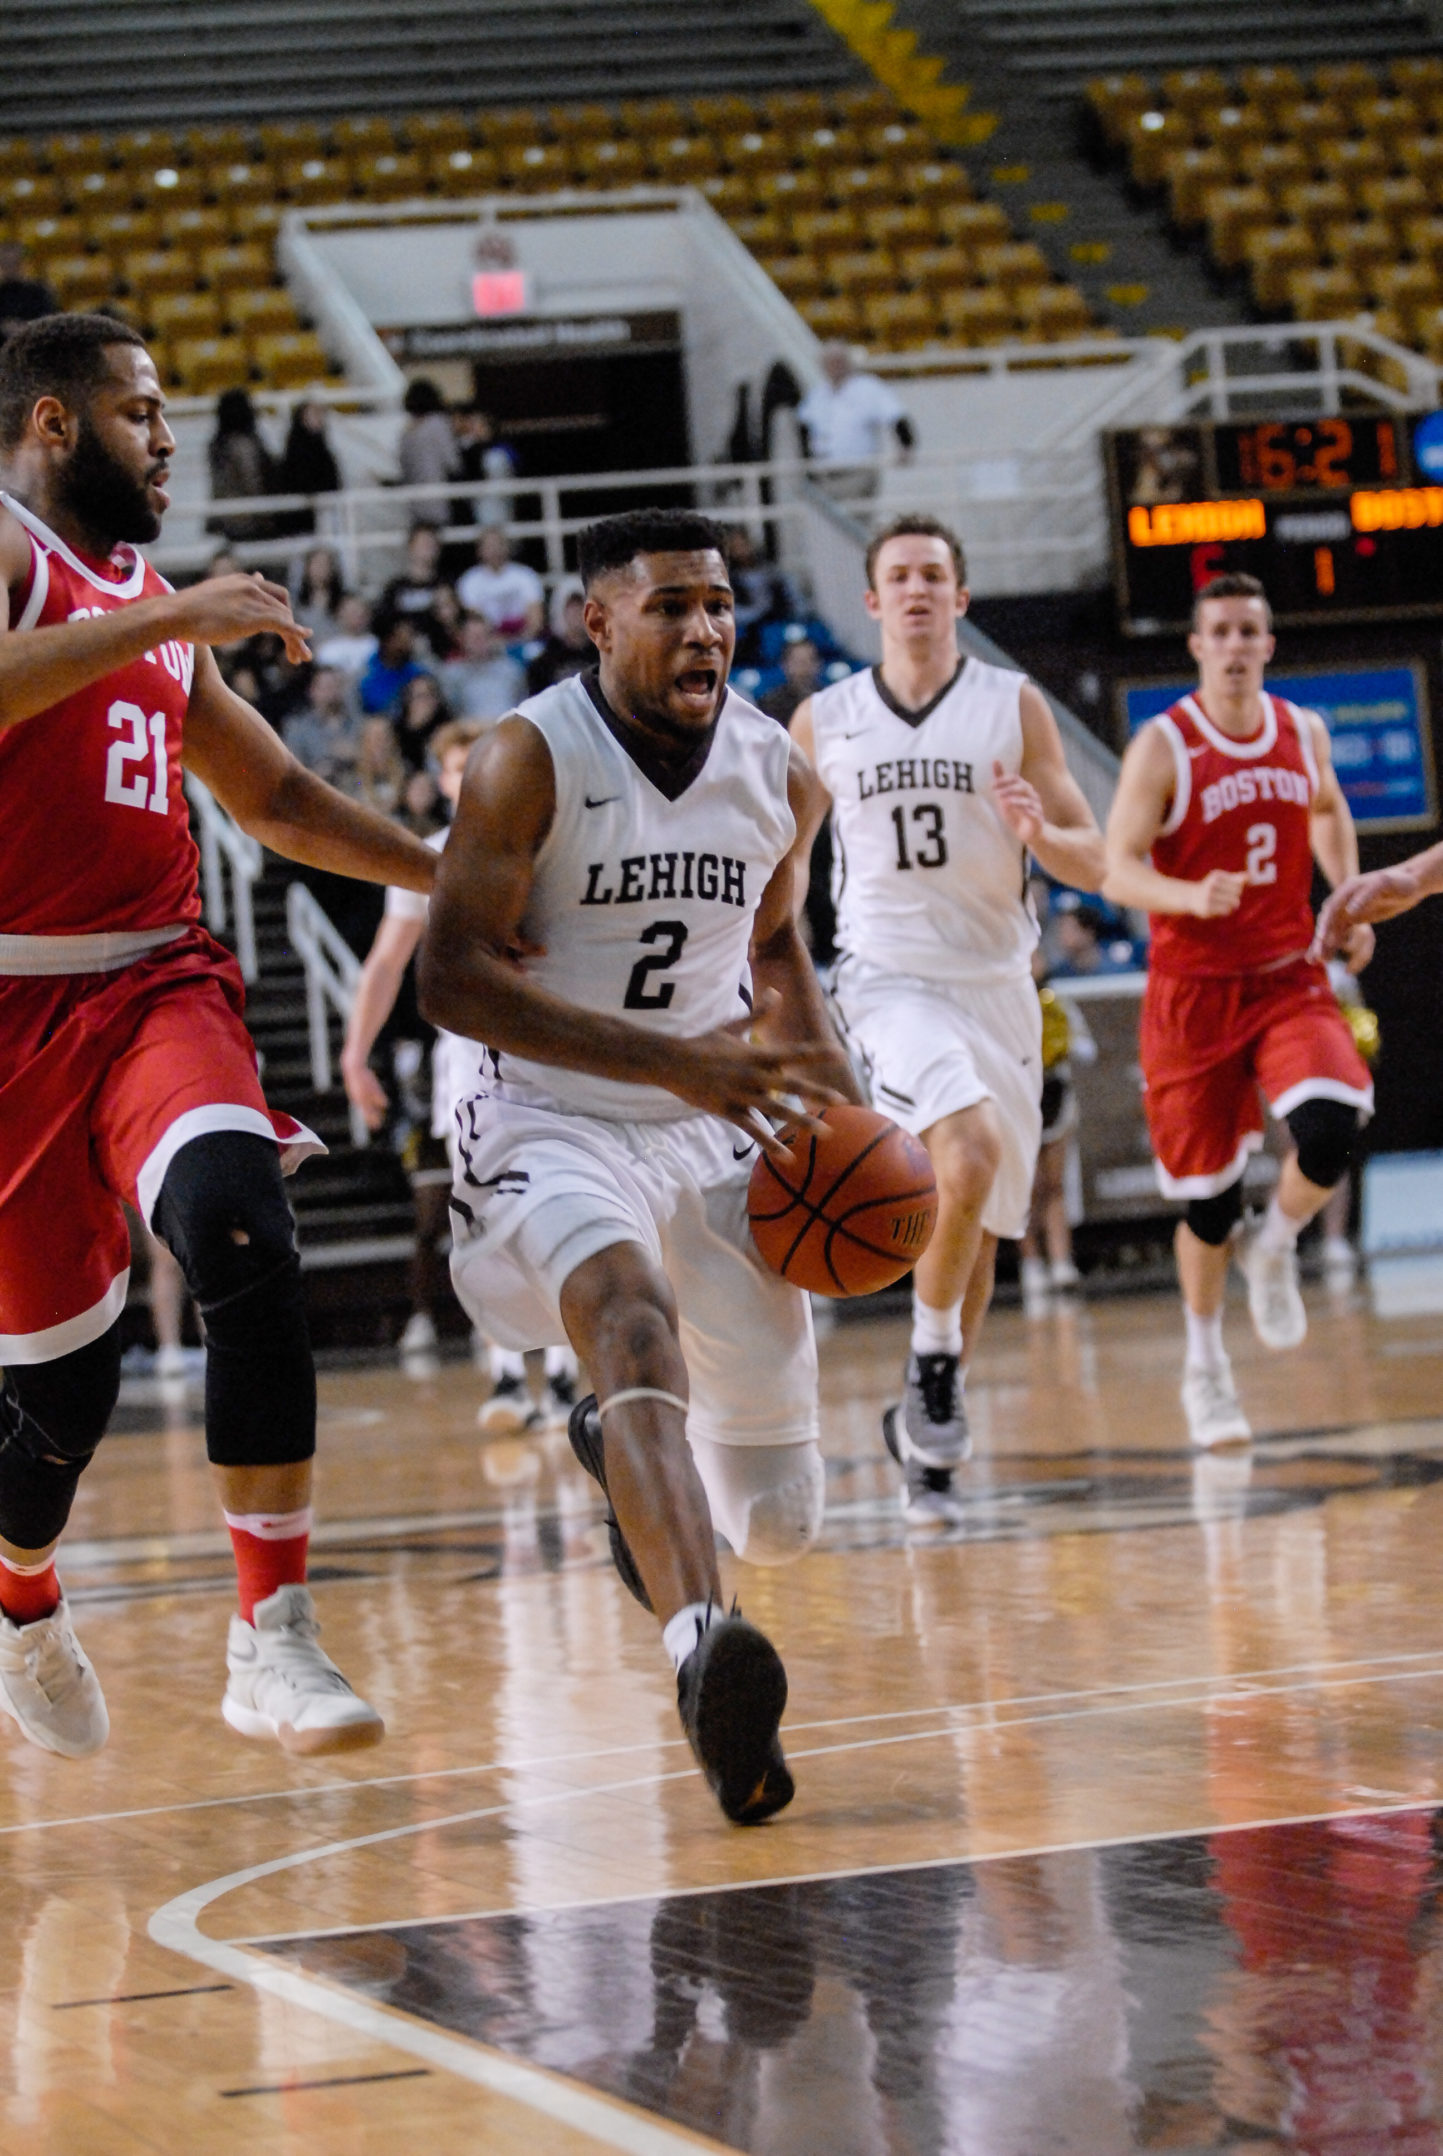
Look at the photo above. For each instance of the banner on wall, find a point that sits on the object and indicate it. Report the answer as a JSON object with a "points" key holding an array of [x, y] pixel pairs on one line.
{"points": [[1377, 718]]}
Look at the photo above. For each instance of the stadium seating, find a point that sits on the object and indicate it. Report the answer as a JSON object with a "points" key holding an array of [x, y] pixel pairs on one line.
{"points": [[1321, 192]]}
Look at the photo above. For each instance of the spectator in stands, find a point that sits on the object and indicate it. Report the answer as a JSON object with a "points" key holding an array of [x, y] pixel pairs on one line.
{"points": [[1087, 937], [802, 667], [511, 596], [568, 649], [281, 687], [391, 666], [847, 420], [428, 450], [379, 776], [308, 464], [421, 810], [422, 708], [350, 645], [415, 592], [224, 562], [446, 614], [324, 733], [480, 456], [760, 591], [22, 299], [316, 590], [240, 466], [483, 681]]}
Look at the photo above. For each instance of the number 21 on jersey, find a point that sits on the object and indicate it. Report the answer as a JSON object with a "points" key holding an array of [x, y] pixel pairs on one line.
{"points": [[137, 767]]}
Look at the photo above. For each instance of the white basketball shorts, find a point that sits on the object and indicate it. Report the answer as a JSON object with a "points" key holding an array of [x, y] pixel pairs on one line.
{"points": [[930, 1049], [537, 1192]]}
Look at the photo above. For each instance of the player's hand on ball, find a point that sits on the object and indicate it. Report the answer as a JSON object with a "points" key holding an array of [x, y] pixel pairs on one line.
{"points": [[228, 609], [1018, 804], [752, 1083], [1378, 896], [1218, 894]]}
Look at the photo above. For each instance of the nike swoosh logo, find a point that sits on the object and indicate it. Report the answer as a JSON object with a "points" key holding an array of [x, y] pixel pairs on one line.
{"points": [[601, 804], [856, 735], [740, 1152]]}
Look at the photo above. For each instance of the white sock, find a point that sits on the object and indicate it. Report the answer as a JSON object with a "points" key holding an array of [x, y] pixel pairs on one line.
{"points": [[1278, 1231], [936, 1332], [560, 1362], [680, 1633], [506, 1362], [1205, 1350]]}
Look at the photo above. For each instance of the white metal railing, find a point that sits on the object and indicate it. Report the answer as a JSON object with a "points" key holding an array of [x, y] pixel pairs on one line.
{"points": [[225, 847], [332, 970]]}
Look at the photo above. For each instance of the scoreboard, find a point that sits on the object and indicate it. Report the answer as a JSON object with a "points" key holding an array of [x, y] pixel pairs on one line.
{"points": [[1341, 519]]}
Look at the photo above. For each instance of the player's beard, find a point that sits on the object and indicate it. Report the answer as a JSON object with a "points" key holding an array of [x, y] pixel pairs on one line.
{"points": [[101, 496]]}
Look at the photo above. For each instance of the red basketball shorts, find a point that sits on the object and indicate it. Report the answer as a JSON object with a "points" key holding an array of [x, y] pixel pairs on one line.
{"points": [[103, 1078], [1213, 1048]]}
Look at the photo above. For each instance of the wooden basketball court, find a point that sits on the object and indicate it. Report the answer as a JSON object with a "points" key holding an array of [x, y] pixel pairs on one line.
{"points": [[1114, 1814]]}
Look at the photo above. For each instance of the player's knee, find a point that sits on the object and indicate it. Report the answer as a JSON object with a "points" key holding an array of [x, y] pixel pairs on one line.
{"points": [[52, 1417], [620, 1313], [768, 1501], [1212, 1220], [965, 1160], [1325, 1133], [222, 1209]]}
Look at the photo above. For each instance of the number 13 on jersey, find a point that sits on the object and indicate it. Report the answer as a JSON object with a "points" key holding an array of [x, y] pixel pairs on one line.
{"points": [[928, 841], [142, 744]]}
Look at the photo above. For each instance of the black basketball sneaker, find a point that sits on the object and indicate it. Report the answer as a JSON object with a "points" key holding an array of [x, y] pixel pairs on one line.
{"points": [[731, 1692], [583, 1429]]}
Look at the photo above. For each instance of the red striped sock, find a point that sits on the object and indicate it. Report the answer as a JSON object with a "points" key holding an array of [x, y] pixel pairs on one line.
{"points": [[270, 1552], [27, 1594]]}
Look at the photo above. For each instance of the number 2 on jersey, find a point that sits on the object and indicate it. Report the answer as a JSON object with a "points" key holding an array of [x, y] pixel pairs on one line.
{"points": [[640, 995], [932, 853], [138, 789], [1262, 843]]}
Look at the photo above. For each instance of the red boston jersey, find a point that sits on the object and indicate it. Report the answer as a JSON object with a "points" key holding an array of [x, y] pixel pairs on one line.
{"points": [[94, 835], [1244, 806]]}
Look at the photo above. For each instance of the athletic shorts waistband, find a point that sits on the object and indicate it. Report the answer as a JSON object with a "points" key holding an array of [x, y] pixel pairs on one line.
{"points": [[106, 951]]}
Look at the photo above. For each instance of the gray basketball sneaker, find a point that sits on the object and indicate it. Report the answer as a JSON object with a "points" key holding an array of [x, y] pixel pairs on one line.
{"points": [[928, 1496], [48, 1686], [929, 1424]]}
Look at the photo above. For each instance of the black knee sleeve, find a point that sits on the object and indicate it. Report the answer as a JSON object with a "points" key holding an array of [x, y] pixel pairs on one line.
{"points": [[52, 1417], [1212, 1220], [1325, 1133], [222, 1209]]}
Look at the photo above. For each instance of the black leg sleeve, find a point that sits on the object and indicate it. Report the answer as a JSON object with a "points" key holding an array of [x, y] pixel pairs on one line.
{"points": [[52, 1417]]}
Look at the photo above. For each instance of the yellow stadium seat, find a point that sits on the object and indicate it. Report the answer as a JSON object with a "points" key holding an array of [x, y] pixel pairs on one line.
{"points": [[367, 134], [1357, 160], [753, 150], [389, 175], [824, 146], [291, 361], [790, 194], [1427, 333], [650, 116], [1274, 165], [899, 142], [610, 163], [194, 228], [859, 185], [1389, 120], [900, 321], [146, 147], [798, 276], [1270, 87], [1317, 203], [536, 167], [50, 235], [827, 230], [1423, 236], [1012, 263], [1312, 121], [1149, 136], [1194, 89], [29, 194], [863, 269], [76, 152], [258, 221], [1423, 156], [17, 154], [763, 231], [232, 269], [1416, 73], [171, 187], [511, 126], [1115, 99], [291, 141], [899, 224], [1272, 255], [180, 315], [80, 281], [1394, 195], [833, 315], [583, 123], [1324, 295], [1361, 245], [205, 365], [219, 145], [1234, 129], [937, 267], [1191, 175], [728, 195], [315, 179], [1230, 213], [678, 159], [728, 114], [790, 110], [264, 312], [973, 224], [1055, 312], [432, 131], [1346, 81], [153, 270], [119, 231], [248, 180], [977, 315], [935, 180], [1407, 287], [99, 189], [462, 170], [872, 107]]}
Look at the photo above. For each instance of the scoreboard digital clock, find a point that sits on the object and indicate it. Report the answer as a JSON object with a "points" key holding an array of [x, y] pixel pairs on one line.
{"points": [[1340, 518]]}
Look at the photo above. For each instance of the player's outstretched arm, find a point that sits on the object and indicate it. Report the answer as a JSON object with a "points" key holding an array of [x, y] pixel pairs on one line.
{"points": [[1139, 811], [468, 979], [1044, 805], [1335, 841], [789, 997], [270, 794], [376, 992], [1381, 895]]}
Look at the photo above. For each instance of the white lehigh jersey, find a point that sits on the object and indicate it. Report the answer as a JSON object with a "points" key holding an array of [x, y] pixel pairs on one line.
{"points": [[642, 907], [927, 878]]}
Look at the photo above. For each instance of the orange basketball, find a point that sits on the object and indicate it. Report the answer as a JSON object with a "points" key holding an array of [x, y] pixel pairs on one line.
{"points": [[851, 1207]]}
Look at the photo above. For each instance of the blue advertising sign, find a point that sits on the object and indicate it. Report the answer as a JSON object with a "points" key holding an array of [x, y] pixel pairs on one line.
{"points": [[1378, 720]]}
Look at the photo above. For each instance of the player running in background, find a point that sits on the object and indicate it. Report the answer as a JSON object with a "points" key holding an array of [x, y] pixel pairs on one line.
{"points": [[455, 1072], [945, 773], [1223, 805], [125, 1069], [637, 831]]}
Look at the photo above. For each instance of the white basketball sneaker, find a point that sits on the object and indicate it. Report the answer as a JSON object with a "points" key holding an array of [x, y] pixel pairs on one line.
{"points": [[283, 1685], [1214, 1412], [1275, 1303], [48, 1686]]}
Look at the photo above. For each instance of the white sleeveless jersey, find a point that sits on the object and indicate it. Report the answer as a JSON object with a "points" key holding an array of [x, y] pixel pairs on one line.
{"points": [[927, 878], [643, 906]]}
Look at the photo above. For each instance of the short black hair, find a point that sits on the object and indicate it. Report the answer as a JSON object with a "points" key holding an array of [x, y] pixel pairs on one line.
{"points": [[913, 524], [57, 355], [615, 542], [1232, 584]]}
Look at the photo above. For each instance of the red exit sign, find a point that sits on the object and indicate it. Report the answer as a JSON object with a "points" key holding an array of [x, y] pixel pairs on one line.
{"points": [[499, 291]]}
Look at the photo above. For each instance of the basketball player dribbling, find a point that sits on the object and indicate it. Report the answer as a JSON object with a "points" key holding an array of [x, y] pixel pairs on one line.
{"points": [[944, 774], [126, 1072], [637, 832], [1223, 805]]}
